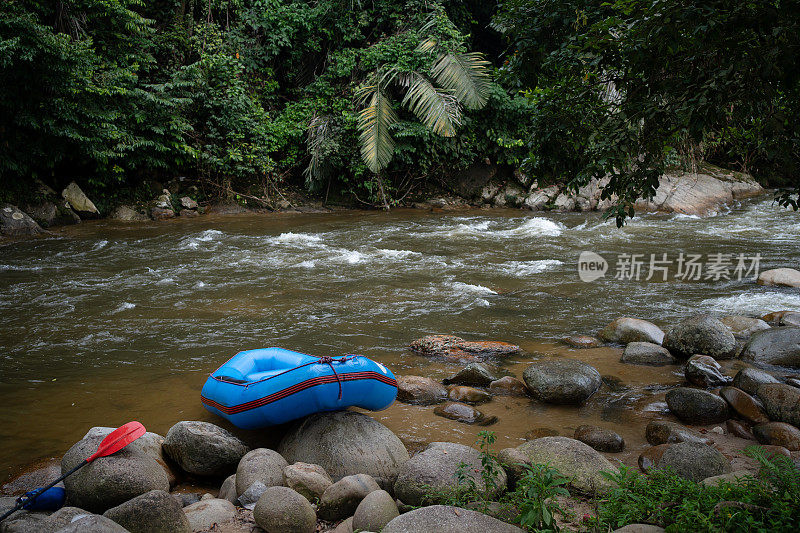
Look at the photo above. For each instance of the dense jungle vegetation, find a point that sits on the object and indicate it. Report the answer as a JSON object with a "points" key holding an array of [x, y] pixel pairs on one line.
{"points": [[365, 100]]}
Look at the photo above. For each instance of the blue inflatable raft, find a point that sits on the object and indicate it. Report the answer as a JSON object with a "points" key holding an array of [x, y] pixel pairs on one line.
{"points": [[269, 386]]}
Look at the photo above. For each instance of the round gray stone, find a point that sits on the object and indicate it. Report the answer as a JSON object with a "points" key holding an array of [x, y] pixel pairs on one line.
{"points": [[562, 381]]}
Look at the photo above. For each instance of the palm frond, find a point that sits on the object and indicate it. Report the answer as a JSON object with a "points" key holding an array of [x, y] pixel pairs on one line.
{"points": [[466, 75], [377, 145], [438, 110], [318, 136], [427, 44]]}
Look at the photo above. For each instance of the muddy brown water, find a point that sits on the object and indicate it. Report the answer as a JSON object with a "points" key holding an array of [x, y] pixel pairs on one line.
{"points": [[102, 323]]}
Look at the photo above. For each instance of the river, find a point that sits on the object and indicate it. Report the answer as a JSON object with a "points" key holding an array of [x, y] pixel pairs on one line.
{"points": [[102, 323]]}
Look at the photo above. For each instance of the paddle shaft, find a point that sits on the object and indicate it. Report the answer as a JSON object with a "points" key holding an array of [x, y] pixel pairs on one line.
{"points": [[20, 504]]}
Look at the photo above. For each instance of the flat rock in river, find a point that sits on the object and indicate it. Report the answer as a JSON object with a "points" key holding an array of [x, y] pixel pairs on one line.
{"points": [[455, 347]]}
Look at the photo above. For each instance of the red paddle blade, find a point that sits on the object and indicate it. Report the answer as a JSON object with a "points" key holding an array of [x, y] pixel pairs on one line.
{"points": [[118, 439]]}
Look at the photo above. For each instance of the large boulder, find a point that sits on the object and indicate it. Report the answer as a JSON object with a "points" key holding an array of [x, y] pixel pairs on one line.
{"points": [[430, 476], [203, 449], [52, 213], [307, 479], [750, 379], [743, 326], [781, 402], [346, 443], [455, 347], [420, 390], [377, 509], [466, 414], [110, 481], [79, 202], [282, 510], [697, 407], [778, 346], [666, 432], [785, 277], [562, 381], [693, 461], [152, 512], [260, 465], [704, 371], [342, 498], [573, 459], [700, 193], [625, 329], [647, 353], [205, 514], [15, 223], [744, 405], [446, 519], [700, 334]]}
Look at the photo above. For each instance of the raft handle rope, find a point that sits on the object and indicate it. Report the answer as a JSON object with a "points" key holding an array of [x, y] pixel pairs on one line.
{"points": [[324, 360]]}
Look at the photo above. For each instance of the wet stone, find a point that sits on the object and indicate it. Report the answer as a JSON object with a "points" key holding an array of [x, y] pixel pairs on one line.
{"points": [[601, 439], [508, 386], [666, 432], [704, 371], [464, 413], [465, 394], [744, 405], [582, 341]]}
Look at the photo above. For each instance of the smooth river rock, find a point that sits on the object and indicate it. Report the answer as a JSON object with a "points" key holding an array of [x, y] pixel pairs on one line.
{"points": [[750, 379], [785, 277], [777, 346], [205, 514], [342, 498], [346, 443], [743, 327], [260, 465], [573, 459], [744, 405], [465, 394], [697, 407], [420, 390], [308, 479], [204, 449], [562, 381], [704, 371], [601, 439], [625, 330], [466, 414], [666, 432], [700, 334], [430, 475], [472, 374], [781, 402], [582, 341], [152, 512], [377, 509], [110, 481], [693, 461], [508, 386], [778, 434], [647, 353], [447, 519], [282, 510]]}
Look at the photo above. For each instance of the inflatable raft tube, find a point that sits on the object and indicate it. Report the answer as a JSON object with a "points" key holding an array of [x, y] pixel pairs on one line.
{"points": [[270, 386]]}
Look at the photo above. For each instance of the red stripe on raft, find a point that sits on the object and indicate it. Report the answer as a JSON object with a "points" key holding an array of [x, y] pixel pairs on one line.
{"points": [[297, 387]]}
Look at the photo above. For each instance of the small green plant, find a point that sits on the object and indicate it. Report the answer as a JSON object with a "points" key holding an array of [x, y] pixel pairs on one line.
{"points": [[536, 495]]}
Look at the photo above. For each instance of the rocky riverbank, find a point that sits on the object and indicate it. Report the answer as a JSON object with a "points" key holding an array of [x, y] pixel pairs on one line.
{"points": [[347, 472], [701, 193]]}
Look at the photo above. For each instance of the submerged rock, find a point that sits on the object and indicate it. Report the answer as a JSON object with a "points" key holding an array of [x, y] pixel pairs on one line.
{"points": [[779, 346], [420, 390], [601, 439], [573, 459], [345, 443], [456, 347], [562, 381], [625, 329], [704, 371], [465, 394], [582, 341], [700, 334], [204, 449], [472, 374], [698, 407], [429, 476], [447, 519], [464, 413], [508, 386], [785, 277], [647, 353]]}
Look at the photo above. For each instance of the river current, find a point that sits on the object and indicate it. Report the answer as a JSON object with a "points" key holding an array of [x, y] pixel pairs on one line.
{"points": [[102, 323]]}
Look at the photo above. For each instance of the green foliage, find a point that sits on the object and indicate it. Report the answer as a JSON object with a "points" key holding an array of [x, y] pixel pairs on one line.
{"points": [[536, 495], [769, 502], [619, 86]]}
